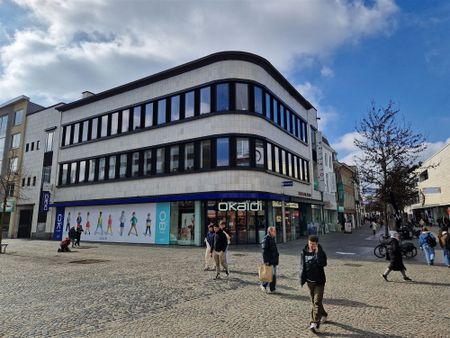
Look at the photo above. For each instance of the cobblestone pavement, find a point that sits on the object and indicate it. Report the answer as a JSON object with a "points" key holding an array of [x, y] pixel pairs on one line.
{"points": [[113, 290]]}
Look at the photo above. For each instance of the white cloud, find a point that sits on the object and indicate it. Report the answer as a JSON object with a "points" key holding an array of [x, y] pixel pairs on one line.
{"points": [[346, 149], [72, 46], [326, 72], [433, 148]]}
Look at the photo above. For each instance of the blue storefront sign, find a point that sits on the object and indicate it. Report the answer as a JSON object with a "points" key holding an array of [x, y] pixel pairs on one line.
{"points": [[162, 230], [59, 224], [45, 201]]}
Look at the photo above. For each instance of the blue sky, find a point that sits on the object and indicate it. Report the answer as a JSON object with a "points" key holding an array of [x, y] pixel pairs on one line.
{"points": [[341, 55]]}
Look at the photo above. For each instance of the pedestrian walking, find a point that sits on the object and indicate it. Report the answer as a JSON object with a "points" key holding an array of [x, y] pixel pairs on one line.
{"points": [[374, 228], [78, 234], [72, 235], [313, 260], [227, 232], [270, 257], [427, 242], [444, 242], [219, 247], [395, 257], [209, 241]]}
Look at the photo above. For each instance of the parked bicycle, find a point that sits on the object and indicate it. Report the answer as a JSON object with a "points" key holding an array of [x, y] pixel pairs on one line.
{"points": [[409, 250]]}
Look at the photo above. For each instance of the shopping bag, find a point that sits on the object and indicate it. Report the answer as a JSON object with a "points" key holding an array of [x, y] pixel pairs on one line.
{"points": [[265, 273]]}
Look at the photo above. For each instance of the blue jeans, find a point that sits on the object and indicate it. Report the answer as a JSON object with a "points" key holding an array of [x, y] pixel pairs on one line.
{"points": [[445, 252], [429, 253], [273, 283]]}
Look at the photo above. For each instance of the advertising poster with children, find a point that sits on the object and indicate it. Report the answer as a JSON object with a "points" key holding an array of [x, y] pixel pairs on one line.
{"points": [[130, 223]]}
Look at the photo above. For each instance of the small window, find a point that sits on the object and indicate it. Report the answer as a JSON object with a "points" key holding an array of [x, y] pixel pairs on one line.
{"points": [[23, 182], [38, 145], [148, 162], [175, 108], [123, 165], [162, 111], [136, 117], [112, 167], [241, 96], [160, 160], [288, 121], [84, 136], [294, 126], [149, 114], [27, 147], [114, 123], [189, 103], [82, 174], [28, 181], [268, 106], [174, 158], [259, 154], [125, 121], [205, 100], [92, 165], [94, 129], [34, 181], [269, 157], [32, 146], [275, 111], [223, 152], [282, 116], [18, 117], [73, 173], [242, 152], [222, 97], [205, 154], [135, 164], [101, 169], [104, 128], [15, 140], [189, 156], [76, 133], [258, 100]]}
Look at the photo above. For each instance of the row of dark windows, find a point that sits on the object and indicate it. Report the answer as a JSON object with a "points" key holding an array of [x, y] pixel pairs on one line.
{"points": [[218, 97], [27, 181], [189, 156]]}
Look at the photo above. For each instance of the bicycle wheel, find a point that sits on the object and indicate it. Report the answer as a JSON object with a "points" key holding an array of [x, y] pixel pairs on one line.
{"points": [[380, 251]]}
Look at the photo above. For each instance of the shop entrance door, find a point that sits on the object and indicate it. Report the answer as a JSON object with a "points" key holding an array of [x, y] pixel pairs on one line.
{"points": [[25, 218]]}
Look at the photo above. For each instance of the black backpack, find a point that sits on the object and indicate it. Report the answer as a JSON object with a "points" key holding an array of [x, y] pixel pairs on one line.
{"points": [[431, 241]]}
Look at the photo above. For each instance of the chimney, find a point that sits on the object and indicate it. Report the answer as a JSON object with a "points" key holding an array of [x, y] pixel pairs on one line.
{"points": [[86, 94]]}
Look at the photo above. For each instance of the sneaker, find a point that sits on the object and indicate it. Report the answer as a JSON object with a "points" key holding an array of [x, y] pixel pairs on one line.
{"points": [[431, 263], [385, 277], [263, 288], [227, 272], [407, 278], [323, 319], [217, 276], [313, 327]]}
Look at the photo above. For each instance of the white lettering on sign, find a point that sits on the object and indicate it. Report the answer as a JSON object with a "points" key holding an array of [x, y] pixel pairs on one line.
{"points": [[59, 222], [240, 206], [162, 221]]}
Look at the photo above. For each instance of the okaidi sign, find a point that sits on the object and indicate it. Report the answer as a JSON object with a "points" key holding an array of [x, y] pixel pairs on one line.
{"points": [[240, 206]]}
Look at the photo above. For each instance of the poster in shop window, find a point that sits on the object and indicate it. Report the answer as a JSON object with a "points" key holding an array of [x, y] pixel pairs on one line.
{"points": [[127, 223]]}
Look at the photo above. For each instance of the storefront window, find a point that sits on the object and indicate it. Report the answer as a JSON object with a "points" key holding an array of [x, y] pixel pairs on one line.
{"points": [[242, 152], [259, 154], [182, 230], [174, 158], [223, 150], [189, 156]]}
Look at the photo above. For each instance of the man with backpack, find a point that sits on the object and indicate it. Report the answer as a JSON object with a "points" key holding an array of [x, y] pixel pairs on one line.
{"points": [[427, 242]]}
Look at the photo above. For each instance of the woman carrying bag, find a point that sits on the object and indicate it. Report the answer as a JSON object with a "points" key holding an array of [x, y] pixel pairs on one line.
{"points": [[270, 257]]}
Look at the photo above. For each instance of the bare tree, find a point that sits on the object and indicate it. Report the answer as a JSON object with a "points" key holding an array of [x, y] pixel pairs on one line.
{"points": [[9, 189], [390, 153]]}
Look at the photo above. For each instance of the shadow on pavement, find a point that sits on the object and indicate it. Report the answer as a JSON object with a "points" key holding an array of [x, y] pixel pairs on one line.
{"points": [[422, 283], [335, 301], [354, 332]]}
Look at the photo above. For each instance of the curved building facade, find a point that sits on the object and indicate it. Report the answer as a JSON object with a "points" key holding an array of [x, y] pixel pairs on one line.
{"points": [[158, 159]]}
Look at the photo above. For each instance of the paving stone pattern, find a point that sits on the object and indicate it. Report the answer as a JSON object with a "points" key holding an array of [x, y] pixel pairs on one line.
{"points": [[113, 290]]}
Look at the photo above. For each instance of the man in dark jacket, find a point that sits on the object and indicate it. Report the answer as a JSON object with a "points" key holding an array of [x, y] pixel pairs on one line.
{"points": [[395, 256], [270, 257], [219, 247], [313, 260]]}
